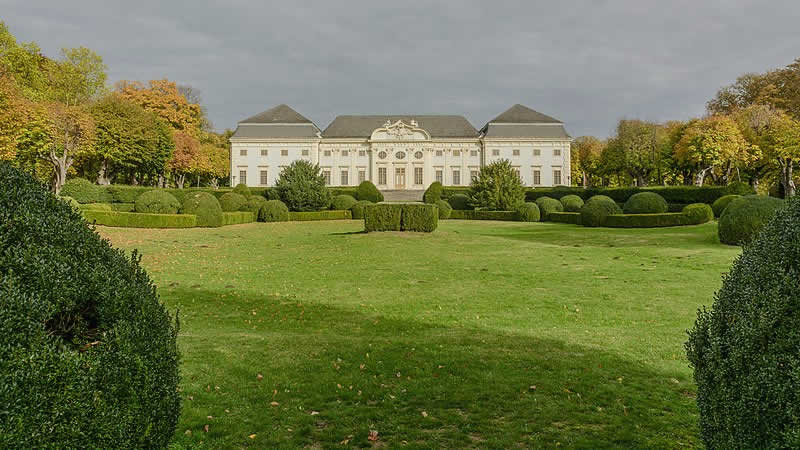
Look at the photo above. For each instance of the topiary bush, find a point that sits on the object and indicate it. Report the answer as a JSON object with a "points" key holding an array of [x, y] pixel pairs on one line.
{"points": [[96, 207], [88, 354], [698, 213], [70, 201], [528, 212], [367, 191], [242, 189], [645, 203], [547, 205], [301, 187], [444, 209], [84, 191], [254, 204], [357, 210], [497, 188], [273, 211], [205, 206], [433, 193], [744, 217], [232, 201], [571, 203], [459, 202], [401, 217], [721, 203], [744, 349], [343, 202], [156, 202], [740, 188], [596, 209]]}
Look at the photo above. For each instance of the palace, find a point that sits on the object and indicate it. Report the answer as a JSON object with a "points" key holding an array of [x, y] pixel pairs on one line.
{"points": [[401, 152]]}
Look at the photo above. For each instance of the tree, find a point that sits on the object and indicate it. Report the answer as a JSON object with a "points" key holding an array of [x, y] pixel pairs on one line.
{"points": [[79, 77], [187, 158], [163, 98], [777, 88], [585, 155], [302, 187], [71, 134], [638, 142], [14, 113], [23, 64], [497, 187], [711, 143]]}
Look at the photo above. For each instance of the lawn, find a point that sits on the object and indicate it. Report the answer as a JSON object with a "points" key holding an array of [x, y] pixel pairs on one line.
{"points": [[481, 334]]}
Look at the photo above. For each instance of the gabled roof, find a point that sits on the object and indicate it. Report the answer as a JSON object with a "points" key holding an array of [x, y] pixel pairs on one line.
{"points": [[519, 121], [436, 126], [522, 114], [279, 114]]}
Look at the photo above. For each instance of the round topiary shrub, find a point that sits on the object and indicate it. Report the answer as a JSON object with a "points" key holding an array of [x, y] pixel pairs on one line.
{"points": [[433, 193], [357, 210], [740, 188], [596, 209], [156, 202], [698, 213], [343, 202], [367, 191], [571, 203], [231, 201], [744, 349], [528, 212], [70, 201], [205, 206], [83, 191], [273, 211], [242, 189], [645, 203], [721, 203], [88, 353], [254, 204], [744, 217], [547, 205], [444, 209], [301, 187], [459, 202]]}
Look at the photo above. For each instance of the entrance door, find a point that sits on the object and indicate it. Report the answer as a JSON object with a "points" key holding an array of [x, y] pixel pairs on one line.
{"points": [[399, 177]]}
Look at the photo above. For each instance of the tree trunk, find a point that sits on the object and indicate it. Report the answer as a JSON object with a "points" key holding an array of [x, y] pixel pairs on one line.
{"points": [[787, 178], [701, 176], [198, 181], [754, 183], [215, 183], [134, 180], [161, 180], [61, 164], [180, 180], [640, 181], [102, 176]]}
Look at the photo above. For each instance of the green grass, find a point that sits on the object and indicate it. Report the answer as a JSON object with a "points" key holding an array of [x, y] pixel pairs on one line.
{"points": [[481, 334]]}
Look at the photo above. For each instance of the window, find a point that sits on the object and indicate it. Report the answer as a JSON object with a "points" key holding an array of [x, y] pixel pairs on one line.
{"points": [[473, 175], [515, 152], [556, 152], [473, 153], [516, 172], [264, 152], [284, 152], [343, 177], [496, 152], [263, 179], [556, 177], [418, 155], [362, 153], [439, 153], [243, 152], [345, 153], [327, 153], [400, 155], [305, 152], [456, 177], [440, 176], [243, 176], [456, 152], [537, 152], [326, 174], [382, 176], [362, 176], [417, 175], [537, 176]]}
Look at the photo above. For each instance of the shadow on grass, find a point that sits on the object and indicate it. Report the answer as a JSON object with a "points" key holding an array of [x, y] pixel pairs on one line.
{"points": [[332, 375], [346, 233]]}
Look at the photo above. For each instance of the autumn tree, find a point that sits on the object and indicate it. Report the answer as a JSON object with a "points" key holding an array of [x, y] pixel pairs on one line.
{"points": [[70, 130], [78, 77], [779, 89], [713, 143], [187, 159], [637, 143], [164, 99], [585, 155], [24, 65], [14, 113]]}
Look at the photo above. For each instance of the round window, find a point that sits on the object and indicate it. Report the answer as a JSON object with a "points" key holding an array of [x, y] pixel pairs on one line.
{"points": [[382, 155], [399, 155], [418, 155]]}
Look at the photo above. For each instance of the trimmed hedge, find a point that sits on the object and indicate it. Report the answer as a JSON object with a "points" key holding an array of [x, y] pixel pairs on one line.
{"points": [[571, 203], [645, 220], [444, 209], [367, 191], [433, 193], [84, 191], [335, 214], [529, 212], [595, 211], [721, 203], [645, 203], [237, 217], [96, 207], [254, 204], [140, 220], [123, 207], [484, 215], [206, 207], [547, 205], [232, 201], [401, 217], [273, 211], [242, 190], [672, 194], [70, 201], [744, 217], [459, 202], [357, 210], [698, 213], [157, 202], [342, 202], [124, 193], [343, 190], [566, 217]]}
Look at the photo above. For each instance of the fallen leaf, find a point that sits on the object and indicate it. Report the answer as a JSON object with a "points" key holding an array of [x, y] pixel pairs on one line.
{"points": [[274, 403], [424, 414], [205, 428], [259, 377], [252, 436], [373, 435], [314, 413]]}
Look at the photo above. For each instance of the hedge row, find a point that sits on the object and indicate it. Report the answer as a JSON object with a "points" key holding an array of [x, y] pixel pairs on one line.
{"points": [[237, 217], [335, 214], [139, 220], [401, 217], [694, 214], [484, 215], [672, 194], [566, 217]]}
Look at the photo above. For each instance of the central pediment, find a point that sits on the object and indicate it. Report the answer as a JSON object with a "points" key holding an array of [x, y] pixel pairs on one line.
{"points": [[400, 131]]}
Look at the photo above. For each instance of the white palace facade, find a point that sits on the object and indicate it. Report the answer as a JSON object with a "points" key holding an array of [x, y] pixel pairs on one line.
{"points": [[401, 151]]}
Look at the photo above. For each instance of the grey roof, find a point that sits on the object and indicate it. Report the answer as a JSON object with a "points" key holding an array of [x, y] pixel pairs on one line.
{"points": [[522, 114], [266, 131], [279, 114], [436, 126], [535, 130]]}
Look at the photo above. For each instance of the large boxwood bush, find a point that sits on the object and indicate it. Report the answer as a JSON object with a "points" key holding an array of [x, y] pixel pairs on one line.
{"points": [[88, 354], [157, 202], [444, 209], [548, 205], [497, 188], [721, 203], [254, 204], [744, 217], [698, 213], [744, 350], [84, 191], [572, 203], [273, 211], [433, 193], [301, 187], [596, 209], [645, 203], [205, 206], [232, 201], [459, 202], [342, 202], [242, 189], [529, 212], [401, 217], [367, 191]]}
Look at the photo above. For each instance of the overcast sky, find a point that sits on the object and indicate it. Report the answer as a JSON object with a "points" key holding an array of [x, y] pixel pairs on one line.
{"points": [[587, 63]]}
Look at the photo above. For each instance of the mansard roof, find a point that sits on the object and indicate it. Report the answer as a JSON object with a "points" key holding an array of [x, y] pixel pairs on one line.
{"points": [[522, 114], [278, 122], [438, 126], [279, 114], [519, 121]]}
